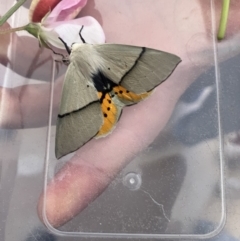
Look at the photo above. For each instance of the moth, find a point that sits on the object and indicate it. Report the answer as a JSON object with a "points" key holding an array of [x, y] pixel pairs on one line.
{"points": [[100, 80]]}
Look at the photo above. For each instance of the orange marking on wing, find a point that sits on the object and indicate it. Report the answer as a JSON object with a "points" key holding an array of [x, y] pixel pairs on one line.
{"points": [[109, 110], [123, 93]]}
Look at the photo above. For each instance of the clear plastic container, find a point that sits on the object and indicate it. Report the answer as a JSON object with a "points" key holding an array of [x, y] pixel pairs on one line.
{"points": [[172, 184]]}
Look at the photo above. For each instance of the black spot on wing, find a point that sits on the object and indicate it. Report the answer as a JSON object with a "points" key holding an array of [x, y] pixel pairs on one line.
{"points": [[103, 84]]}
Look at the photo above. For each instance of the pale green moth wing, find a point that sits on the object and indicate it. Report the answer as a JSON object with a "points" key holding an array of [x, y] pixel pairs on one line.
{"points": [[77, 91], [138, 69], [80, 116]]}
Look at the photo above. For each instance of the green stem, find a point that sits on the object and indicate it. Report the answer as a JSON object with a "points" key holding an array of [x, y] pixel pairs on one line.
{"points": [[223, 20], [10, 12], [11, 30]]}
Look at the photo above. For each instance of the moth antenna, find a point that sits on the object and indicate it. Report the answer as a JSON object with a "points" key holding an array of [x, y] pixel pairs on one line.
{"points": [[66, 46], [81, 35]]}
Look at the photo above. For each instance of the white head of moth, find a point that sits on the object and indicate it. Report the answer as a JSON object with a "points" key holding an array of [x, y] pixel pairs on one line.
{"points": [[100, 80]]}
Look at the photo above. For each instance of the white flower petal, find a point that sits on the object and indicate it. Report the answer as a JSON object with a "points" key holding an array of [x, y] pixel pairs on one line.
{"points": [[92, 31], [50, 36]]}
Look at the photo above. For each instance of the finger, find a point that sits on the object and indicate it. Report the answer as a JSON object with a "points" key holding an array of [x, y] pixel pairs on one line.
{"points": [[96, 164], [17, 112]]}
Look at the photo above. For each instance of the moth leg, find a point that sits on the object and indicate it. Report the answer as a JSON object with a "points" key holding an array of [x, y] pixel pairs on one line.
{"points": [[81, 35], [58, 53]]}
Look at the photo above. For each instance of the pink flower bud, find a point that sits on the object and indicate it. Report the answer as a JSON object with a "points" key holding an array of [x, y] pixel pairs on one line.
{"points": [[39, 9]]}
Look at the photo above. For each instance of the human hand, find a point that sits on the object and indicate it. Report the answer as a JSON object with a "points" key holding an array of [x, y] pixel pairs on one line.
{"points": [[181, 28]]}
